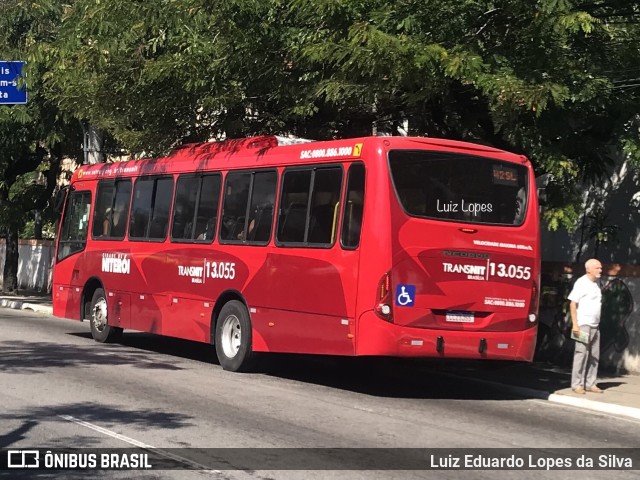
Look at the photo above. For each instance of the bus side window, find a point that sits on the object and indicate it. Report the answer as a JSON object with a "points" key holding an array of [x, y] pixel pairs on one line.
{"points": [[141, 208], [207, 212], [162, 198], [294, 198], [354, 208], [121, 209], [261, 208], [234, 207], [103, 211], [304, 220], [150, 211], [111, 209], [327, 185], [75, 224], [184, 207]]}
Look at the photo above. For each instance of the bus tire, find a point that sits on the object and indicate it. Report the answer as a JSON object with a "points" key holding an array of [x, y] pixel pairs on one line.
{"points": [[233, 337], [101, 331]]}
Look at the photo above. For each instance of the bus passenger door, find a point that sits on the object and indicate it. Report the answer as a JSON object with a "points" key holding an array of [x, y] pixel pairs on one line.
{"points": [[313, 279]]}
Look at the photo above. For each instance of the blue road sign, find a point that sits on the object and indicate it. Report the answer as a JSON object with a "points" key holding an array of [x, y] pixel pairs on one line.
{"points": [[10, 92]]}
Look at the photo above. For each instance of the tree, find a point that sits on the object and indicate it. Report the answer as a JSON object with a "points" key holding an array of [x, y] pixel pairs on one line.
{"points": [[33, 137], [156, 74], [554, 79]]}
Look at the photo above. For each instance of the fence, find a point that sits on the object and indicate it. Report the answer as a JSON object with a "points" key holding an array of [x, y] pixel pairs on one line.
{"points": [[619, 323]]}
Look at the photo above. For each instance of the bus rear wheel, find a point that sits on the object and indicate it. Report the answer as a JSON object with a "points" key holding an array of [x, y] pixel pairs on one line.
{"points": [[233, 337], [101, 331]]}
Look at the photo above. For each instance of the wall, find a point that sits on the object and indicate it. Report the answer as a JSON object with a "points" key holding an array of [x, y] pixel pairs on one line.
{"points": [[619, 323], [614, 210], [35, 264]]}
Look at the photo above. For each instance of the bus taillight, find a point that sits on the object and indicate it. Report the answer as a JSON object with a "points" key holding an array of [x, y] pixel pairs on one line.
{"points": [[383, 300], [533, 305]]}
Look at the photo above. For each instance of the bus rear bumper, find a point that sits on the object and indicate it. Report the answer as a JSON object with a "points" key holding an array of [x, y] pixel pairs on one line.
{"points": [[377, 337]]}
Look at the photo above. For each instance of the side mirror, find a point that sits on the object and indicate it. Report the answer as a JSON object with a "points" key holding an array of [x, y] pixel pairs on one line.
{"points": [[542, 196], [541, 185]]}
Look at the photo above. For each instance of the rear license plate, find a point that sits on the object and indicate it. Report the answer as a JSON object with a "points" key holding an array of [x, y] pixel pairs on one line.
{"points": [[460, 317]]}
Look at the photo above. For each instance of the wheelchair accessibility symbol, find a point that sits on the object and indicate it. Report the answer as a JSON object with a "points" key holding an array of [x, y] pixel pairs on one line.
{"points": [[405, 295]]}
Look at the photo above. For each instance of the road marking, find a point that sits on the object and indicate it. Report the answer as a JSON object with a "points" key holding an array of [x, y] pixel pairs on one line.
{"points": [[132, 441], [602, 407], [552, 404]]}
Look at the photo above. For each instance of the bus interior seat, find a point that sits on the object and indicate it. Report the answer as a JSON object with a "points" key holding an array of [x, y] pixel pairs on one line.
{"points": [[187, 231], [263, 220], [238, 228], [321, 227], [157, 229], [210, 228], [353, 221], [293, 223]]}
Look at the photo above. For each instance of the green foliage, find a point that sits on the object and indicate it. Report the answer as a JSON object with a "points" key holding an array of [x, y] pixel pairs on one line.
{"points": [[157, 73], [33, 137], [553, 79], [48, 230]]}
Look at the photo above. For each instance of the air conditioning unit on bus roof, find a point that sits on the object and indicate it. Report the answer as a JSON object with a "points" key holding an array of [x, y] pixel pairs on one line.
{"points": [[290, 140]]}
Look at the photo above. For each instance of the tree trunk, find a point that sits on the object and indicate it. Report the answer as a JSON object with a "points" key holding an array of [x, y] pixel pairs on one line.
{"points": [[10, 284], [37, 225]]}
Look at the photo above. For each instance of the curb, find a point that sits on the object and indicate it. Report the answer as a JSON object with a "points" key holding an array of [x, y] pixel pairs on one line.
{"points": [[559, 398], [18, 305]]}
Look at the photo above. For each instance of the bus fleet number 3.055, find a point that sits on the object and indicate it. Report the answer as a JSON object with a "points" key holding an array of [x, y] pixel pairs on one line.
{"points": [[226, 270], [510, 271]]}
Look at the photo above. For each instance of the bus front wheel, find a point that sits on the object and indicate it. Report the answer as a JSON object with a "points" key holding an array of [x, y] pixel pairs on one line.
{"points": [[101, 331], [233, 337]]}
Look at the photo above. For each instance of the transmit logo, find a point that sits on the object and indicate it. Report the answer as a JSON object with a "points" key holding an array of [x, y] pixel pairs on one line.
{"points": [[23, 459]]}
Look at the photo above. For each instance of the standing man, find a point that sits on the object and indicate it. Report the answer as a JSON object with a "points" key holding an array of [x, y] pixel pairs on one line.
{"points": [[586, 303]]}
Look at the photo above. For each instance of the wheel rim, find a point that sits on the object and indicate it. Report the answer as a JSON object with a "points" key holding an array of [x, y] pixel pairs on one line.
{"points": [[99, 315], [231, 336]]}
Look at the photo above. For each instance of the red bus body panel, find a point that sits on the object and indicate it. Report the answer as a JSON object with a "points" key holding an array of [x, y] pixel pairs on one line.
{"points": [[320, 300]]}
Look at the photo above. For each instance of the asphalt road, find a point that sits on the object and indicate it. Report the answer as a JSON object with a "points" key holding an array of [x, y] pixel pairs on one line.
{"points": [[59, 388]]}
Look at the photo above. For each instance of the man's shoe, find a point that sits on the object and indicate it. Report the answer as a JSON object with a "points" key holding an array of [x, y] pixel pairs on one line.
{"points": [[595, 389], [579, 390]]}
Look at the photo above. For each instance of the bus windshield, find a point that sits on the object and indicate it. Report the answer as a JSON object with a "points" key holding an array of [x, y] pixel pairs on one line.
{"points": [[459, 187]]}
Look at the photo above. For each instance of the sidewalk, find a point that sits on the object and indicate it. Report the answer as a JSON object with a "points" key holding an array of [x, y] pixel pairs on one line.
{"points": [[27, 300], [537, 380], [548, 382]]}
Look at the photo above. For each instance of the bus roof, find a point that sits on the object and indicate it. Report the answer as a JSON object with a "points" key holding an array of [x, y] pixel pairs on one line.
{"points": [[270, 150]]}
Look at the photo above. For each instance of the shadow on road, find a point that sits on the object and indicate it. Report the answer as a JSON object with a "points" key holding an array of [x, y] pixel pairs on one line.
{"points": [[36, 357], [377, 376]]}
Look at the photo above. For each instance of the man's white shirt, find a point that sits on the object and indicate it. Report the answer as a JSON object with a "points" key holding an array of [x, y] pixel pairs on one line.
{"points": [[588, 296]]}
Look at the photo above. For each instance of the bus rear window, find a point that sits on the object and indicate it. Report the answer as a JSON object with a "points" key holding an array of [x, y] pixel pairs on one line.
{"points": [[458, 187]]}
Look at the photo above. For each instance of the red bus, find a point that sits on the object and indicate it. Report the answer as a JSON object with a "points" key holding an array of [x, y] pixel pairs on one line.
{"points": [[389, 246]]}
